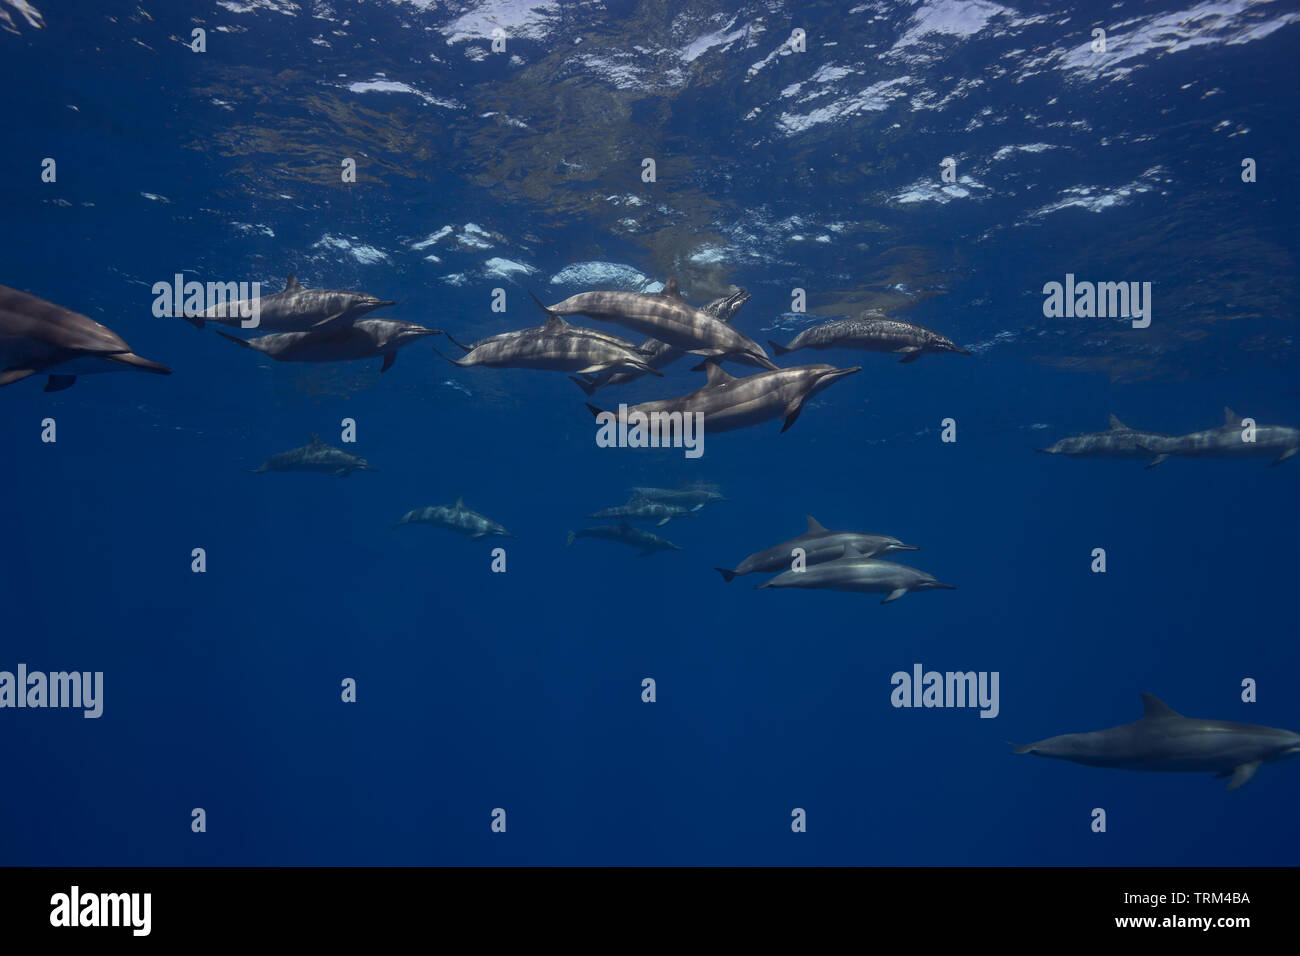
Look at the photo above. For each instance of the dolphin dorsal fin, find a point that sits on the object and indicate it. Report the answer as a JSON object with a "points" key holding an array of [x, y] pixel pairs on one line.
{"points": [[291, 283], [315, 439], [716, 373], [1230, 417], [670, 288], [460, 503], [814, 526], [1156, 708], [624, 525], [1116, 425], [555, 323]]}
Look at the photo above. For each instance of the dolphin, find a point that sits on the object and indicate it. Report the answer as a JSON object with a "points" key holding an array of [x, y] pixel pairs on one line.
{"points": [[555, 346], [666, 317], [292, 309], [855, 573], [1165, 740], [624, 533], [819, 546], [729, 403], [1119, 441], [363, 339], [39, 336], [874, 333], [315, 456], [660, 355], [643, 509], [457, 518], [693, 495], [1228, 441]]}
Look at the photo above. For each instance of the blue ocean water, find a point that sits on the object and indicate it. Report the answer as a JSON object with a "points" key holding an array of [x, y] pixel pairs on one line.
{"points": [[776, 170]]}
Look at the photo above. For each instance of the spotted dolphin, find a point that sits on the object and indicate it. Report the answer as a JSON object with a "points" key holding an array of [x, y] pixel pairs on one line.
{"points": [[315, 456], [458, 518], [818, 546], [855, 573], [728, 403], [872, 332], [1229, 441], [666, 317], [37, 336], [293, 309], [363, 339], [1165, 740]]}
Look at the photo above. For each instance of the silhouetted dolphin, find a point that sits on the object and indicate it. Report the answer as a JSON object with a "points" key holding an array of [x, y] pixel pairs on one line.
{"points": [[1228, 441], [853, 573], [666, 317], [315, 456], [456, 517], [819, 546], [873, 332], [293, 309], [1119, 441], [363, 339], [624, 533], [39, 336], [1165, 740]]}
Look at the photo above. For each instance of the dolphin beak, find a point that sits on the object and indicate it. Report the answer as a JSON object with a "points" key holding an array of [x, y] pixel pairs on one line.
{"points": [[907, 547], [836, 374]]}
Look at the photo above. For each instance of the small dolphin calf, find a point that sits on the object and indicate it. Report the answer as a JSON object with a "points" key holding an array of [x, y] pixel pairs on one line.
{"points": [[819, 546], [457, 518], [292, 309], [556, 346], [728, 403], [666, 317], [643, 509], [363, 339], [1119, 442], [38, 336], [1229, 441], [1165, 740], [316, 456], [873, 332], [624, 533], [852, 573]]}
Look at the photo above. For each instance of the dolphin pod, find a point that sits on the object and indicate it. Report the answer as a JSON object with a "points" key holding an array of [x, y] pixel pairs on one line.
{"points": [[666, 317], [38, 336], [728, 403], [455, 517], [1233, 439], [1165, 740], [315, 456], [871, 332], [293, 309]]}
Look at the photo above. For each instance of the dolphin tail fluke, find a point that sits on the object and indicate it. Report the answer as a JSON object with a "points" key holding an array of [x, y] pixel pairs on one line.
{"points": [[451, 360], [540, 304], [569, 540], [463, 348], [727, 576], [1021, 748], [1157, 460], [587, 388], [236, 339], [596, 412], [779, 350], [1283, 457], [57, 383], [194, 320]]}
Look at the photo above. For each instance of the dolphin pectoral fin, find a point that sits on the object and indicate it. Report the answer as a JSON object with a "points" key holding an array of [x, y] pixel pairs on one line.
{"points": [[1284, 456], [662, 521], [9, 376], [57, 383], [1157, 460], [645, 554], [1241, 776], [593, 369], [341, 473], [912, 354], [330, 320], [697, 507], [792, 413], [389, 359], [894, 595]]}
